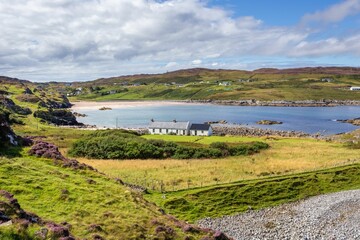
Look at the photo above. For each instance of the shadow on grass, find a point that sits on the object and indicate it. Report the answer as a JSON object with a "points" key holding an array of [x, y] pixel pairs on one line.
{"points": [[10, 151]]}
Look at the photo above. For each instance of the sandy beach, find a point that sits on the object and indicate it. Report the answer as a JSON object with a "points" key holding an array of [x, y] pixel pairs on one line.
{"points": [[122, 104]]}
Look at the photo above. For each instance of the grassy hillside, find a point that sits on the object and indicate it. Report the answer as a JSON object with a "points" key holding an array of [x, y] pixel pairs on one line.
{"points": [[92, 203], [229, 199], [196, 84]]}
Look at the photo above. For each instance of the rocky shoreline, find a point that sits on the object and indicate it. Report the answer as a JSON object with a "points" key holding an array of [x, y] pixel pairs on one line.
{"points": [[239, 130], [281, 103], [331, 216]]}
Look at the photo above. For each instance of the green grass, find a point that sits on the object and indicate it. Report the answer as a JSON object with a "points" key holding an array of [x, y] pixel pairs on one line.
{"points": [[60, 194], [216, 201]]}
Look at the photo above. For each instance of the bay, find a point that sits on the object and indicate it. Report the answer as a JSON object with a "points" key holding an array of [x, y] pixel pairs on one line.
{"points": [[306, 119]]}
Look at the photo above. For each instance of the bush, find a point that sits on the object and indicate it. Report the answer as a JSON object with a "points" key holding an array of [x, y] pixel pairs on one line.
{"points": [[121, 144]]}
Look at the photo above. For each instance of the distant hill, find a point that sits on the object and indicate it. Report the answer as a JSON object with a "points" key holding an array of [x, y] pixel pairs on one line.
{"points": [[9, 80], [311, 70], [197, 74]]}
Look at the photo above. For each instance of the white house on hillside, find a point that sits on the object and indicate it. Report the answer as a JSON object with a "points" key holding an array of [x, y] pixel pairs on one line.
{"points": [[180, 128], [355, 88]]}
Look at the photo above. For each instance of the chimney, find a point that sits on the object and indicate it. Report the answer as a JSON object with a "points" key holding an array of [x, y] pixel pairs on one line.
{"points": [[152, 120], [174, 121]]}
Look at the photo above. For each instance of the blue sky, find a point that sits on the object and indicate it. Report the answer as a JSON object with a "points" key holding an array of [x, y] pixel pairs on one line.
{"points": [[277, 12], [66, 40]]}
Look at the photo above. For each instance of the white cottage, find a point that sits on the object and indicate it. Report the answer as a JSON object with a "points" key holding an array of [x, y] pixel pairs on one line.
{"points": [[174, 127], [200, 129], [180, 128]]}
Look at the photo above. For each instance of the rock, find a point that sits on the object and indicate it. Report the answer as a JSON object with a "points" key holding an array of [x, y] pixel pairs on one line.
{"points": [[355, 121], [57, 117], [268, 122], [90, 181], [95, 228], [76, 114], [5, 224], [105, 108], [27, 91], [220, 236]]}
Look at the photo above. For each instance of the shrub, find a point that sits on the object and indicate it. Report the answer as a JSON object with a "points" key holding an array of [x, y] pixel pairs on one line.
{"points": [[120, 144]]}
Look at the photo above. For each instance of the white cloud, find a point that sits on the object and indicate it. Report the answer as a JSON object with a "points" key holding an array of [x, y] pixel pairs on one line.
{"points": [[76, 40], [171, 65], [326, 47], [334, 13], [196, 62]]}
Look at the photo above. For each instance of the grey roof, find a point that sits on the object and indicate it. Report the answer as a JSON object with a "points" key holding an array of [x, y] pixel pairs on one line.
{"points": [[200, 126], [170, 125]]}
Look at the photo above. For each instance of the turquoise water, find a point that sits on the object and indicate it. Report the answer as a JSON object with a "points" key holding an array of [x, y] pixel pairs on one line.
{"points": [[306, 119]]}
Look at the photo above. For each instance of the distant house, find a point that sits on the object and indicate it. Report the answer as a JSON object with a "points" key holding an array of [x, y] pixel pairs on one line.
{"points": [[225, 84], [200, 129], [180, 128], [355, 88]]}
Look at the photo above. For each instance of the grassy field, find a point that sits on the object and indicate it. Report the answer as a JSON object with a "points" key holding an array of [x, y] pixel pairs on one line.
{"points": [[229, 199], [286, 155]]}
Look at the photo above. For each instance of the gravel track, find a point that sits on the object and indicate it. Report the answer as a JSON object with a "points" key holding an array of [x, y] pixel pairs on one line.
{"points": [[331, 216]]}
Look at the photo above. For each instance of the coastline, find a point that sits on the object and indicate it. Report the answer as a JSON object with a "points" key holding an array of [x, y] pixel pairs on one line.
{"points": [[125, 104], [252, 102]]}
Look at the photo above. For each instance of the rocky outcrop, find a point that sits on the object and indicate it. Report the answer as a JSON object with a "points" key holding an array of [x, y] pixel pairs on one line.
{"points": [[7, 136], [57, 117], [56, 104], [268, 122], [238, 130], [11, 106], [355, 121]]}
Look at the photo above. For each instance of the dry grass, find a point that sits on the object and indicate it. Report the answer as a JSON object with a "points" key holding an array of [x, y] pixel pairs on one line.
{"points": [[285, 156]]}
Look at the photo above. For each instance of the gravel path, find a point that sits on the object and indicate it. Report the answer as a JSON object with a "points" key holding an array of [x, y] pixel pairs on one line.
{"points": [[331, 216]]}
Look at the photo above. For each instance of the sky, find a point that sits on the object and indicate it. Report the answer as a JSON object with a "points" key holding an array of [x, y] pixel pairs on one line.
{"points": [[78, 40]]}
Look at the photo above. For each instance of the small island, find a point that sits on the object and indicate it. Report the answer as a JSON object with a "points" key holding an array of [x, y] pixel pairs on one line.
{"points": [[268, 122], [105, 108]]}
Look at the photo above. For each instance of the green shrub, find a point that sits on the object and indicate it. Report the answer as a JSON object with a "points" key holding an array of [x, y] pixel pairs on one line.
{"points": [[121, 144]]}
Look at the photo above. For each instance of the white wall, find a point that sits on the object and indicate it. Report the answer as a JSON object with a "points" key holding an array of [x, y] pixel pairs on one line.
{"points": [[201, 133], [167, 131]]}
